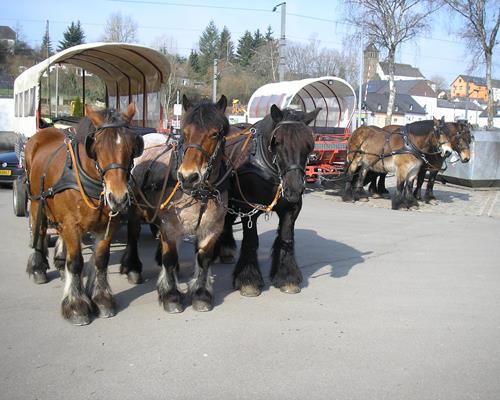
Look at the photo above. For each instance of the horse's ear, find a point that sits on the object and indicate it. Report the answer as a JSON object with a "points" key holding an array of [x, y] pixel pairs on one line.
{"points": [[222, 103], [129, 114], [310, 117], [89, 147], [95, 117], [186, 103], [276, 113], [139, 146]]}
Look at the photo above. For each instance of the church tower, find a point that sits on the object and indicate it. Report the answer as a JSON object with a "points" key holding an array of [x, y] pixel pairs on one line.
{"points": [[370, 61]]}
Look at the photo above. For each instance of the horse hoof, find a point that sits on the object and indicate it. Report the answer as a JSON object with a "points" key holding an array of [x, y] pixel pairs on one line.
{"points": [[106, 312], [202, 306], [173, 308], [250, 291], [376, 196], [363, 199], [80, 320], [40, 277], [134, 277], [290, 289]]}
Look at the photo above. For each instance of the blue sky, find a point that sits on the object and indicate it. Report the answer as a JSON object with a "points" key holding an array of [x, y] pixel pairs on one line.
{"points": [[438, 52]]}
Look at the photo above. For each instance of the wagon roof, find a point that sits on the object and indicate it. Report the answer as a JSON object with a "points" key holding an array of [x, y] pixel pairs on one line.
{"points": [[334, 95], [125, 68]]}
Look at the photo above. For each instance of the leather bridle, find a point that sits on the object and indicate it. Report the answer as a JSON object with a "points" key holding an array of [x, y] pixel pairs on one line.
{"points": [[111, 166]]}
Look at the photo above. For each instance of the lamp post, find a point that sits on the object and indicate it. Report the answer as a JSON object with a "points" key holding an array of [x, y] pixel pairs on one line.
{"points": [[281, 67]]}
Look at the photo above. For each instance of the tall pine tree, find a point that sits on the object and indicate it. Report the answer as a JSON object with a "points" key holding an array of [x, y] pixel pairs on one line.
{"points": [[269, 34], [194, 62], [209, 46], [245, 49], [258, 39], [72, 36], [226, 47], [46, 47]]}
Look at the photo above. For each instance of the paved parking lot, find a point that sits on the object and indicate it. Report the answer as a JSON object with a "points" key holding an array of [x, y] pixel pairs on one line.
{"points": [[395, 305]]}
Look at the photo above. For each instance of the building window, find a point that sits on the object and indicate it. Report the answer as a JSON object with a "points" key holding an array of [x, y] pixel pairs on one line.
{"points": [[379, 107], [411, 107]]}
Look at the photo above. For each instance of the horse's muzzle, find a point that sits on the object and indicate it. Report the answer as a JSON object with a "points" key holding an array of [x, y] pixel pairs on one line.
{"points": [[464, 156], [118, 203], [190, 181]]}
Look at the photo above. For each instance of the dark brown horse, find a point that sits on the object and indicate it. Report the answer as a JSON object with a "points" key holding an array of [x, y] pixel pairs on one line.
{"points": [[184, 193], [460, 139], [401, 150], [80, 187]]}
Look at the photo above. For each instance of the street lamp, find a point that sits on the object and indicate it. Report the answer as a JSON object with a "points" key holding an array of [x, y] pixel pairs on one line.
{"points": [[281, 68]]}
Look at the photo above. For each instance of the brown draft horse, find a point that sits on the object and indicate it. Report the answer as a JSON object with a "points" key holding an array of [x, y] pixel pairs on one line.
{"points": [[197, 209], [460, 138], [402, 150], [56, 165]]}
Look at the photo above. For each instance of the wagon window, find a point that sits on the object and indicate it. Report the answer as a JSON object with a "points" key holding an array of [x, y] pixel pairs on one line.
{"points": [[16, 105], [26, 102], [137, 99], [32, 102], [153, 117]]}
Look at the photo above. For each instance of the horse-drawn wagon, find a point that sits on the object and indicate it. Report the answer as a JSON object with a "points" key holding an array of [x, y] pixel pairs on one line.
{"points": [[337, 101], [126, 73]]}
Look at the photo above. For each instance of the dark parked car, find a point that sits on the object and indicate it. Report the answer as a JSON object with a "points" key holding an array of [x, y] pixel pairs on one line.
{"points": [[9, 167], [11, 173]]}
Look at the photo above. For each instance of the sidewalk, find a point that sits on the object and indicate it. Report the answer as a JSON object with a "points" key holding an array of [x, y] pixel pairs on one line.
{"points": [[452, 199]]}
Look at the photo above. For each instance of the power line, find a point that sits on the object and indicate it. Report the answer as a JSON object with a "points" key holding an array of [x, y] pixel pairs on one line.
{"points": [[164, 3]]}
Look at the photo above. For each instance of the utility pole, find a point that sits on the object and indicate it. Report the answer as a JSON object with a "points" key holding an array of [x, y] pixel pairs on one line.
{"points": [[360, 83], [214, 87], [281, 67], [467, 101], [48, 69]]}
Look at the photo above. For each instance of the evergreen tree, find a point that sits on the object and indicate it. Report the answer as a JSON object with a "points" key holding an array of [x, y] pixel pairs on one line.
{"points": [[46, 47], [258, 39], [226, 47], [209, 46], [72, 36], [269, 34], [194, 61], [245, 49]]}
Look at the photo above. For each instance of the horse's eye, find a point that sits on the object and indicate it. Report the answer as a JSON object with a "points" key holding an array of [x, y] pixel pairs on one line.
{"points": [[215, 135]]}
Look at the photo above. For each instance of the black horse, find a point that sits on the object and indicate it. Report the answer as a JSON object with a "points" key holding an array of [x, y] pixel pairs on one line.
{"points": [[272, 177]]}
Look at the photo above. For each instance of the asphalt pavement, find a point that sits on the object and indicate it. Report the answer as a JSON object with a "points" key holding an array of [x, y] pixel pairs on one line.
{"points": [[394, 305]]}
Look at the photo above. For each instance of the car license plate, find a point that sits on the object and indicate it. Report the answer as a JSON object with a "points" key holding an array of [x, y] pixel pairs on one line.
{"points": [[5, 172]]}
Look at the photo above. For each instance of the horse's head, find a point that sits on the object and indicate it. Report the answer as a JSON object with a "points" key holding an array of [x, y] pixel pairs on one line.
{"points": [[461, 138], [204, 130], [291, 142], [441, 138], [113, 147]]}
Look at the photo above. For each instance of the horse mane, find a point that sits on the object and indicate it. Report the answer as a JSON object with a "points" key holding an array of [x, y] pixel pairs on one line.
{"points": [[205, 114], [421, 128]]}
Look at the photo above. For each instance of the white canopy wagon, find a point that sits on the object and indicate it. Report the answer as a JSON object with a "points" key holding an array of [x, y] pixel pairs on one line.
{"points": [[128, 72]]}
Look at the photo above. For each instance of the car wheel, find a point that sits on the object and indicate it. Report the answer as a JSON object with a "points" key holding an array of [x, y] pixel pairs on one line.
{"points": [[19, 198]]}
